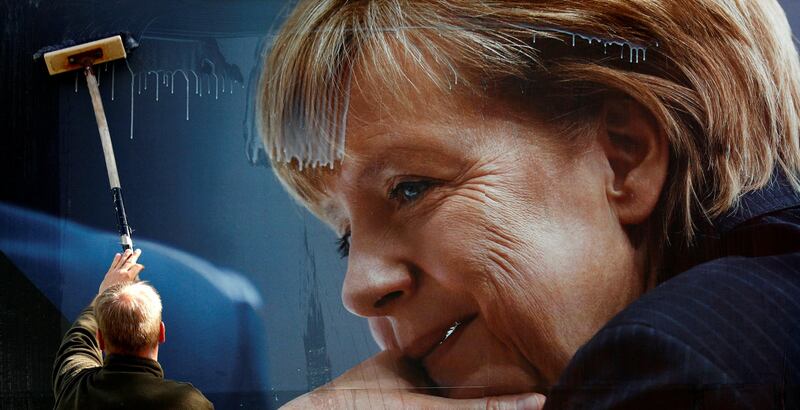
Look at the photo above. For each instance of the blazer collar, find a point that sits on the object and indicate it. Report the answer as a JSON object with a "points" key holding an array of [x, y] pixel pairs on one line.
{"points": [[777, 195]]}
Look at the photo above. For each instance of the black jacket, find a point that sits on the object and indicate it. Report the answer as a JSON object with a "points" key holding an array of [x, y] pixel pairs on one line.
{"points": [[722, 333], [82, 380]]}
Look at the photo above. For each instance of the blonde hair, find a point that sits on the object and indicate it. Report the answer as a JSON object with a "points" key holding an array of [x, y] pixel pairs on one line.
{"points": [[721, 77], [129, 317]]}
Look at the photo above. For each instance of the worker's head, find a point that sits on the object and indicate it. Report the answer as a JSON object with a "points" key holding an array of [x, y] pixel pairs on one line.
{"points": [[129, 319]]}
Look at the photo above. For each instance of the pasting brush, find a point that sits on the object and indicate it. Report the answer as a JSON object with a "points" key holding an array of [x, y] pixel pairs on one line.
{"points": [[71, 56]]}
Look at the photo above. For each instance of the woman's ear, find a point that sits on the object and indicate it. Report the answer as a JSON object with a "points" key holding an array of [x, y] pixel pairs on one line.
{"points": [[637, 151]]}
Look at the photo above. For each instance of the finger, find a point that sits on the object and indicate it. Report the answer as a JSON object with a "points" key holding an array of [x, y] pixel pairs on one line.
{"points": [[533, 401], [125, 255], [133, 272], [122, 258], [135, 256], [518, 402], [529, 401], [132, 259], [114, 262]]}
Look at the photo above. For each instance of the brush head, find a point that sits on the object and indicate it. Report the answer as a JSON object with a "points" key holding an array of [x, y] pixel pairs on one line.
{"points": [[70, 56]]}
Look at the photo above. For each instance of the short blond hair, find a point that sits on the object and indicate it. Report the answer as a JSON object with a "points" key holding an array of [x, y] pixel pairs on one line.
{"points": [[129, 317], [721, 77]]}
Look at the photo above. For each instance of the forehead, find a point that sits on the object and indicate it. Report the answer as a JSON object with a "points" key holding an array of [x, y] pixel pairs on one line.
{"points": [[387, 129], [389, 122]]}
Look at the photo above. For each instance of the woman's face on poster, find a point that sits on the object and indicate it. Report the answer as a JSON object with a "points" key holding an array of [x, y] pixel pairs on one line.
{"points": [[480, 243]]}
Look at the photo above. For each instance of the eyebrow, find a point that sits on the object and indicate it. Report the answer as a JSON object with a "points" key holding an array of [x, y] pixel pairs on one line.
{"points": [[399, 155]]}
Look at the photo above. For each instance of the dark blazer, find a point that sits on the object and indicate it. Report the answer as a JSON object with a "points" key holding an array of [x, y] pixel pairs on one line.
{"points": [[723, 332], [82, 380]]}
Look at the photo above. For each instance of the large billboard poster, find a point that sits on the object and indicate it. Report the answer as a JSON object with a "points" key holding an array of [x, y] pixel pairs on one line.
{"points": [[414, 204]]}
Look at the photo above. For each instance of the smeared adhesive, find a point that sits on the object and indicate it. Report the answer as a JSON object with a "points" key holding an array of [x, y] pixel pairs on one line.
{"points": [[329, 117], [636, 52]]}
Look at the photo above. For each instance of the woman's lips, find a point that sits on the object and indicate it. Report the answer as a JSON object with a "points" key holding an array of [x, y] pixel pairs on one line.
{"points": [[449, 338], [426, 345], [473, 362]]}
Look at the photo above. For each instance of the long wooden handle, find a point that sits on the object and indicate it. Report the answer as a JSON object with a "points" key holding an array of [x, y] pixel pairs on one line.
{"points": [[111, 163], [102, 126]]}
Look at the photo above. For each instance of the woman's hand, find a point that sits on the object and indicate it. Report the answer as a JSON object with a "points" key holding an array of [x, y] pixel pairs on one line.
{"points": [[388, 381]]}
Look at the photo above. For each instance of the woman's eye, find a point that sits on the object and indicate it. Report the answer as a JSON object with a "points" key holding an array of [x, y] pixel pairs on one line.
{"points": [[343, 245], [409, 191]]}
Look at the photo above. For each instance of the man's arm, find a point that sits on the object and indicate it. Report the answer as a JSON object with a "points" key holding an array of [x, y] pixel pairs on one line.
{"points": [[79, 349]]}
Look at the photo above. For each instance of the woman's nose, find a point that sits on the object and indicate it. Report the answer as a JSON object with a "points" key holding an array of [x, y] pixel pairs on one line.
{"points": [[375, 286]]}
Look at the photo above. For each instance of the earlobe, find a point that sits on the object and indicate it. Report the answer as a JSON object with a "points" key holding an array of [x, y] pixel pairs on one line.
{"points": [[638, 154]]}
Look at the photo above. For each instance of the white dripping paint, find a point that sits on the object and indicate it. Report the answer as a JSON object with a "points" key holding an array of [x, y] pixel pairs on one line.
{"points": [[216, 79], [172, 82], [133, 77], [329, 120], [197, 88], [163, 77], [635, 51], [145, 81], [167, 78], [112, 80]]}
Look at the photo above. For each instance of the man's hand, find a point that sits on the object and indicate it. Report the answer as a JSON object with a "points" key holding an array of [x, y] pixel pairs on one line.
{"points": [[386, 381], [123, 269]]}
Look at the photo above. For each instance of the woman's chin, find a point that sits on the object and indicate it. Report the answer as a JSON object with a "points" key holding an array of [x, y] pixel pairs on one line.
{"points": [[477, 364]]}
